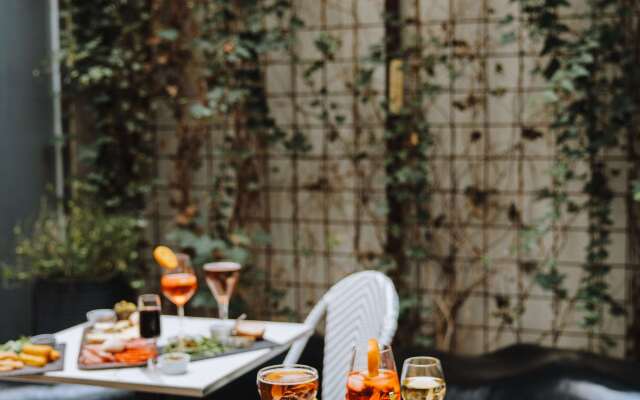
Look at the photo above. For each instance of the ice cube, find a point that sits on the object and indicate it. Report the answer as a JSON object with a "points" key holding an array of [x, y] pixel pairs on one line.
{"points": [[356, 382]]}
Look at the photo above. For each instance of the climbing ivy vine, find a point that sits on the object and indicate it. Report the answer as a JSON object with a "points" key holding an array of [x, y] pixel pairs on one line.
{"points": [[214, 52], [407, 141], [589, 97], [200, 64], [108, 93], [130, 64]]}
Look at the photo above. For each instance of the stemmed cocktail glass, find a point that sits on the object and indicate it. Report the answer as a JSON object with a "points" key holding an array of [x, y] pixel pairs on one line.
{"points": [[179, 284], [222, 279]]}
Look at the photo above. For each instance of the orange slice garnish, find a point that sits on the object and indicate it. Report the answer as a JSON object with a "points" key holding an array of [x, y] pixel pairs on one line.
{"points": [[165, 257], [373, 357]]}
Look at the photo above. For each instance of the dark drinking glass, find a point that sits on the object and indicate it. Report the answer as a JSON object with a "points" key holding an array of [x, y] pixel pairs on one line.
{"points": [[149, 309]]}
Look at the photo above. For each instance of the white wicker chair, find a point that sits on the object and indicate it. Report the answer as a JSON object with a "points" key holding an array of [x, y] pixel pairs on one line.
{"points": [[361, 306]]}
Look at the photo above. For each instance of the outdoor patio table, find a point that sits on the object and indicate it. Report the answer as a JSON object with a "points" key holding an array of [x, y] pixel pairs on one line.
{"points": [[202, 378]]}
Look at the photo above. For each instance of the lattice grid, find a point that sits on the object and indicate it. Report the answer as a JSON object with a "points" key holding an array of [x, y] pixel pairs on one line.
{"points": [[325, 213]]}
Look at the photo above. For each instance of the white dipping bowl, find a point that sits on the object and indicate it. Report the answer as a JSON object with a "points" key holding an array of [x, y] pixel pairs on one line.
{"points": [[173, 363], [221, 330], [101, 315]]}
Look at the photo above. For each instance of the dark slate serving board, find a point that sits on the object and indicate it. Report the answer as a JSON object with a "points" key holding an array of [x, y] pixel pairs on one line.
{"points": [[257, 345], [109, 365], [57, 365]]}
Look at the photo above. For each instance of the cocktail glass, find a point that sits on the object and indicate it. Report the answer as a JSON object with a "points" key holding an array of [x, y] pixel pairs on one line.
{"points": [[179, 284], [222, 279], [373, 373], [288, 382]]}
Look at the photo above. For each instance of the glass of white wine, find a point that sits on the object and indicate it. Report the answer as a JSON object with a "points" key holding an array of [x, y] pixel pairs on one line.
{"points": [[423, 379]]}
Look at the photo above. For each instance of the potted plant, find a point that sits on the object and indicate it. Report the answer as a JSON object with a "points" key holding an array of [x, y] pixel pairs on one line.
{"points": [[83, 260]]}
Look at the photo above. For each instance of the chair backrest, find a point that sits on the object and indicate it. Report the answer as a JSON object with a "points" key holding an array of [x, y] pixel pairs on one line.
{"points": [[361, 306]]}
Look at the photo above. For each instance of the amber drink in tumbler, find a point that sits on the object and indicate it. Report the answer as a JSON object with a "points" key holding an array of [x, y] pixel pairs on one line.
{"points": [[290, 382]]}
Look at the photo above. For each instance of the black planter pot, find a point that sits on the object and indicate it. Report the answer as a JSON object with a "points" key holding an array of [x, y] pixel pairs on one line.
{"points": [[16, 304], [59, 305]]}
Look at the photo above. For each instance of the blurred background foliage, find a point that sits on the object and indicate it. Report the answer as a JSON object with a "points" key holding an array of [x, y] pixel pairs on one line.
{"points": [[89, 244]]}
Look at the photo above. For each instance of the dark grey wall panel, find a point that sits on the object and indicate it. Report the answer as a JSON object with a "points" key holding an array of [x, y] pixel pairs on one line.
{"points": [[25, 135], [25, 112]]}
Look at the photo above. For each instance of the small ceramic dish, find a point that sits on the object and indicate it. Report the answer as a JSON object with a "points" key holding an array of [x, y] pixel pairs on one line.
{"points": [[173, 363], [44, 339], [221, 330], [101, 315], [240, 342]]}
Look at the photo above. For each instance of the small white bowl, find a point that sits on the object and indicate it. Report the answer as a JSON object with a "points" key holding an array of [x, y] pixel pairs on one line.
{"points": [[44, 339], [173, 363], [221, 330], [101, 315]]}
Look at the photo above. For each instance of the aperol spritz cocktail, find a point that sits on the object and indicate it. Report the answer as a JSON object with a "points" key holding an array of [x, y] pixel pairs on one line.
{"points": [[373, 374], [178, 285], [290, 382]]}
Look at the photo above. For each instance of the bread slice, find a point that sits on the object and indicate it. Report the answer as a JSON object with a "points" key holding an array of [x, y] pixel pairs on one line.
{"points": [[250, 329]]}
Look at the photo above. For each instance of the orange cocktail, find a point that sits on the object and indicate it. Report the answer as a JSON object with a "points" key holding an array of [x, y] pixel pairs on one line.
{"points": [[375, 380], [178, 282], [384, 386], [179, 288]]}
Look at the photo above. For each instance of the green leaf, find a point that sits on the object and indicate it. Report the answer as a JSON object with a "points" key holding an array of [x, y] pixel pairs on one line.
{"points": [[507, 38], [298, 143], [327, 44], [205, 245], [168, 34], [567, 85], [262, 238], [237, 254], [579, 71], [506, 20], [550, 96], [636, 190], [240, 239], [199, 111]]}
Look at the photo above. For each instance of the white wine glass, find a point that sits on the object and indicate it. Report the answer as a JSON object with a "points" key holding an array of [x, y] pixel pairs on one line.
{"points": [[423, 379]]}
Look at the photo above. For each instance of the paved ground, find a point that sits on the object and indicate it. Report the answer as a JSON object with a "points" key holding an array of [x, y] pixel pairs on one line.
{"points": [[11, 391]]}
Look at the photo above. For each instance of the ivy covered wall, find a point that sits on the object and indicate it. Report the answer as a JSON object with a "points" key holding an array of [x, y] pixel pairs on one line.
{"points": [[479, 152]]}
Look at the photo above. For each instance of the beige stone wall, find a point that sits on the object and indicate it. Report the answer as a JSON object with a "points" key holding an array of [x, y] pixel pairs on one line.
{"points": [[322, 232]]}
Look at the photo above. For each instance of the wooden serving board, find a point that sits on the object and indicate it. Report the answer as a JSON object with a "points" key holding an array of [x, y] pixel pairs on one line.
{"points": [[57, 365]]}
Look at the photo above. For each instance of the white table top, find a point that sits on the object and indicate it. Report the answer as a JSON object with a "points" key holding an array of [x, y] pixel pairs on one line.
{"points": [[202, 378]]}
